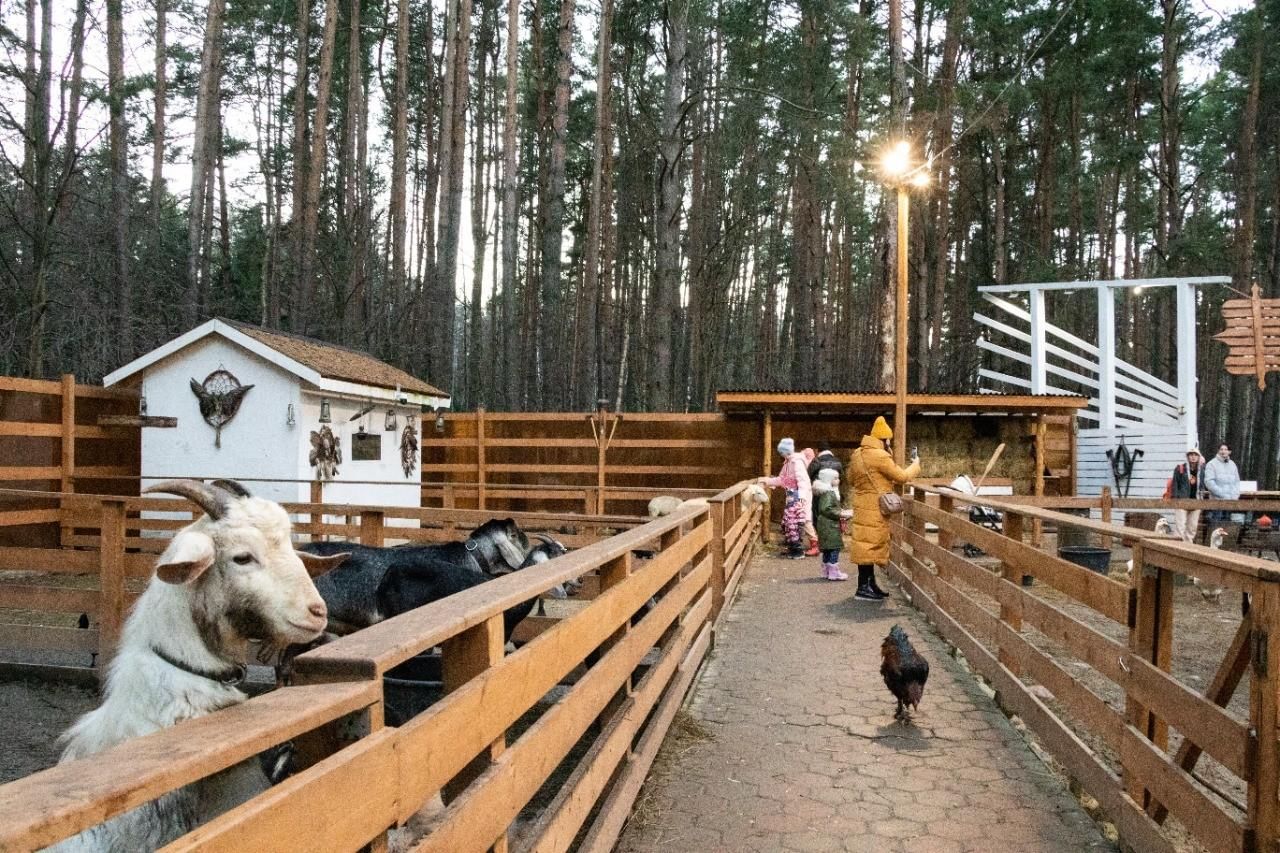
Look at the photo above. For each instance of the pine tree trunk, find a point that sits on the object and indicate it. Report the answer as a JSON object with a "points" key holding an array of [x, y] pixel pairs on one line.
{"points": [[510, 208], [315, 171], [292, 303], [398, 292], [452, 164], [588, 368], [553, 289], [667, 226], [119, 155], [158, 118], [203, 150]]}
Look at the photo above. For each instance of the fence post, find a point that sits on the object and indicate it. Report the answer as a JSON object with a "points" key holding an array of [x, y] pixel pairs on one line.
{"points": [[764, 472], [463, 657], [719, 577], [1262, 814], [611, 574], [946, 538], [1150, 638], [67, 480], [371, 528], [602, 452], [1011, 614], [316, 517], [1037, 525], [110, 581], [481, 497], [1104, 504]]}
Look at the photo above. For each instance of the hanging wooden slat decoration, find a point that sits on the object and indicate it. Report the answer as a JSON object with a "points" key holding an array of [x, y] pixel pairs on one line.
{"points": [[1252, 336]]}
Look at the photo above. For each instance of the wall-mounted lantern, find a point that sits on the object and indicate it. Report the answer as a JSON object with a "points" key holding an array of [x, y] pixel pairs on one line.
{"points": [[440, 421], [289, 417], [326, 416], [390, 425]]}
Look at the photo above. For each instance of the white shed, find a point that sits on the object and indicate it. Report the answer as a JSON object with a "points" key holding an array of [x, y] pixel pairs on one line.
{"points": [[296, 387]]}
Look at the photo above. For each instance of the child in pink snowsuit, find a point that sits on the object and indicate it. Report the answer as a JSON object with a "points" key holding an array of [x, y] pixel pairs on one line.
{"points": [[794, 478]]}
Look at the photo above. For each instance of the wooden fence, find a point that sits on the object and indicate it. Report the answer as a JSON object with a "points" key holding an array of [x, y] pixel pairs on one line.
{"points": [[633, 667], [569, 460], [57, 437], [110, 551], [997, 623]]}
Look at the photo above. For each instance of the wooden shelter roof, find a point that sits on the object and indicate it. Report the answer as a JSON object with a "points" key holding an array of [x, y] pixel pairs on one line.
{"points": [[737, 401]]}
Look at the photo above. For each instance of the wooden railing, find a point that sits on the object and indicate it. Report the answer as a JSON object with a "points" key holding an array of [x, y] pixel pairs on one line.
{"points": [[51, 438], [1001, 627], [111, 543], [633, 665]]}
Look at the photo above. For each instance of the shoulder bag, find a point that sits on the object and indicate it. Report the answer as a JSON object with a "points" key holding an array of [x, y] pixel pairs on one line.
{"points": [[890, 502]]}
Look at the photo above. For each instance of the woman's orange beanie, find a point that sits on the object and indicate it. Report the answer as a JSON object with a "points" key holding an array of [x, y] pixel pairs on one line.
{"points": [[881, 429]]}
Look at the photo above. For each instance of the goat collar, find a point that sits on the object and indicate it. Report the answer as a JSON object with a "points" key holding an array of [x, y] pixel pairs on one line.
{"points": [[233, 675]]}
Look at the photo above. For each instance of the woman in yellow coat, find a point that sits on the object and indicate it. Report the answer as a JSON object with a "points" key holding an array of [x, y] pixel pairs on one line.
{"points": [[871, 472]]}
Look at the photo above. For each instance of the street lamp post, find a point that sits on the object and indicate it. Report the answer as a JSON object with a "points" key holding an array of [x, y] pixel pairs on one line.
{"points": [[901, 174]]}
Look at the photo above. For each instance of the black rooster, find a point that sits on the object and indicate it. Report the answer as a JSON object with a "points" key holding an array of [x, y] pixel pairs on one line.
{"points": [[904, 671]]}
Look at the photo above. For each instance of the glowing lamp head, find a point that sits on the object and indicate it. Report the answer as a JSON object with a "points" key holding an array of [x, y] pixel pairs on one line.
{"points": [[920, 178], [897, 160]]}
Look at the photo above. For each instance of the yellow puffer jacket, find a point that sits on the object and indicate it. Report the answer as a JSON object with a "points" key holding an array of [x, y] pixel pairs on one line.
{"points": [[871, 472]]}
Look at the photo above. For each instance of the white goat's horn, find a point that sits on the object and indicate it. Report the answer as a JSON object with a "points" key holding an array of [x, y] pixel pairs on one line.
{"points": [[546, 539], [234, 487], [212, 501]]}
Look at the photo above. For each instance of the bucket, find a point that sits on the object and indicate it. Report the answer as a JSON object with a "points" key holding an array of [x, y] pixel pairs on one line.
{"points": [[411, 688], [1095, 559]]}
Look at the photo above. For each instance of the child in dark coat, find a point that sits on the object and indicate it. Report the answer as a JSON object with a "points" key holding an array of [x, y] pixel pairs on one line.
{"points": [[827, 515]]}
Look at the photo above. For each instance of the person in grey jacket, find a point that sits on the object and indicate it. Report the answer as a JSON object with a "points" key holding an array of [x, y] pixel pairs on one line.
{"points": [[1222, 479]]}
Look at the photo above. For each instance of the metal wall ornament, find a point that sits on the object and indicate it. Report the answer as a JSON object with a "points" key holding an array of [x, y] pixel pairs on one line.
{"points": [[408, 449], [220, 396], [1123, 460], [326, 453]]}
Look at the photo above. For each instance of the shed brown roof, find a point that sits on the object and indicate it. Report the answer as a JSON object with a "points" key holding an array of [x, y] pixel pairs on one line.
{"points": [[337, 362]]}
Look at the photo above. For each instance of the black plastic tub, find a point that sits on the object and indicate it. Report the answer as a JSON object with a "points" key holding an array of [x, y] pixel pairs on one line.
{"points": [[411, 688], [1095, 559]]}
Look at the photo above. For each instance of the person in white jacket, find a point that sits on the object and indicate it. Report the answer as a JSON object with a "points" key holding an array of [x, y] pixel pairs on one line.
{"points": [[1222, 480]]}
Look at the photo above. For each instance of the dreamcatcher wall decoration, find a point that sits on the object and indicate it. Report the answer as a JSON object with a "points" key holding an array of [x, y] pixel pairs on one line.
{"points": [[326, 453], [220, 396], [408, 450]]}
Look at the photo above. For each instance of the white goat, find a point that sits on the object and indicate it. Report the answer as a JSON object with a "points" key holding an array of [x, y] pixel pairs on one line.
{"points": [[752, 495], [1214, 593], [1162, 526], [663, 505], [230, 577]]}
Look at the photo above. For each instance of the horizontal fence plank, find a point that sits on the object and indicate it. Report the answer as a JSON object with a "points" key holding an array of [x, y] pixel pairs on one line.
{"points": [[1201, 721], [23, 517], [616, 809], [31, 429], [560, 822], [1135, 826], [388, 643], [1108, 597], [313, 810], [55, 598], [455, 730], [48, 638], [11, 473], [56, 803], [56, 560], [495, 799]]}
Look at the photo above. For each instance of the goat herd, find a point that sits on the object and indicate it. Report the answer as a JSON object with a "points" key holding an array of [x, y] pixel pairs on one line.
{"points": [[233, 577]]}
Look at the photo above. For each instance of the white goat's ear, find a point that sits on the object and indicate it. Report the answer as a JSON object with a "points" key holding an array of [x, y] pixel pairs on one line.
{"points": [[317, 565], [186, 558]]}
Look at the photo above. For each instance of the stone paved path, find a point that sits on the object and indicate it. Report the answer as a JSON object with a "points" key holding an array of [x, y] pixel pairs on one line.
{"points": [[792, 744]]}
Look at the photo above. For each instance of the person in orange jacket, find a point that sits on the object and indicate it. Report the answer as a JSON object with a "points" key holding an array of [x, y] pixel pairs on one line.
{"points": [[870, 473]]}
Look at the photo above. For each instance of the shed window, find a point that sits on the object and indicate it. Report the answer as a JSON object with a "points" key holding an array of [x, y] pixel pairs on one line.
{"points": [[366, 447]]}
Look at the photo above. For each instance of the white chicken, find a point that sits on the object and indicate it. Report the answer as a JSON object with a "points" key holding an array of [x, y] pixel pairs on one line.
{"points": [[1213, 594], [1162, 526]]}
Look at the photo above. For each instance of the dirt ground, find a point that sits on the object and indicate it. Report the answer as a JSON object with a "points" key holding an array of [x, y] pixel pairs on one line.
{"points": [[1202, 633]]}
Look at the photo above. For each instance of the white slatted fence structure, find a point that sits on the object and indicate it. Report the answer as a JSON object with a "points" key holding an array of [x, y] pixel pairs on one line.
{"points": [[1126, 402]]}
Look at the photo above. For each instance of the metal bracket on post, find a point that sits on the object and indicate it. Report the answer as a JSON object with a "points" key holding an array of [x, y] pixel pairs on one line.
{"points": [[1259, 656]]}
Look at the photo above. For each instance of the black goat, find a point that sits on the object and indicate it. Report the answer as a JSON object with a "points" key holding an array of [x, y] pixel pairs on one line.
{"points": [[407, 586], [494, 548]]}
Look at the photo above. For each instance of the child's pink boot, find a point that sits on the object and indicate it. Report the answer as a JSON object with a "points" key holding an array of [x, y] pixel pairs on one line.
{"points": [[833, 573]]}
